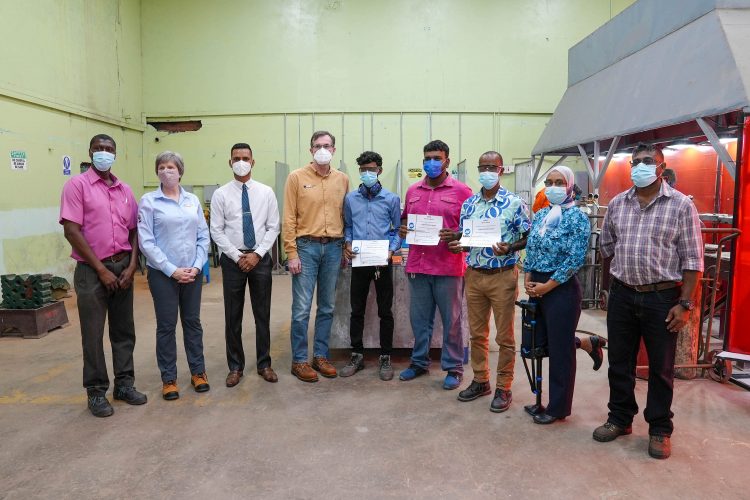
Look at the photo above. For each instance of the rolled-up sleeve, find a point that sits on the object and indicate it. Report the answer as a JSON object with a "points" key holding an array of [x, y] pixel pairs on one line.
{"points": [[689, 240], [608, 236]]}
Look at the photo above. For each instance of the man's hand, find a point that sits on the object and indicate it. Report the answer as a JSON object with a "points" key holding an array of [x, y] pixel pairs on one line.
{"points": [[125, 280], [348, 254], [248, 261], [402, 230], [455, 246], [448, 235], [500, 249], [677, 317], [390, 255], [108, 279], [295, 266]]}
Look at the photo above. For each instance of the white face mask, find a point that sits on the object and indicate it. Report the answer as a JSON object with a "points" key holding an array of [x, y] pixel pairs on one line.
{"points": [[323, 156], [241, 168], [169, 177]]}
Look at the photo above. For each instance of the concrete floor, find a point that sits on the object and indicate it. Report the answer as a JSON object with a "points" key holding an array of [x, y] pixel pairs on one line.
{"points": [[341, 438]]}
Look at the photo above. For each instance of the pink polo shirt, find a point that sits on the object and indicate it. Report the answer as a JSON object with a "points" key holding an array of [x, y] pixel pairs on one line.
{"points": [[444, 200], [106, 213]]}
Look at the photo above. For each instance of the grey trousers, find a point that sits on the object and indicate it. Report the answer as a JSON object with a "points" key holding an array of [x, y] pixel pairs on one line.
{"points": [[95, 304]]}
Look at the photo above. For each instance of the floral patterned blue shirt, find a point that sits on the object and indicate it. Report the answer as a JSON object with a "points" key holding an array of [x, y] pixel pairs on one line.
{"points": [[515, 221], [562, 250]]}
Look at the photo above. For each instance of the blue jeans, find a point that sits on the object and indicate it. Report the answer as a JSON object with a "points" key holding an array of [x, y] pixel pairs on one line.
{"points": [[445, 293], [320, 265]]}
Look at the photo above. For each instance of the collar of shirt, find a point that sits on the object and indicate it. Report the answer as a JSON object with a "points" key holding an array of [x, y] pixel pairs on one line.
{"points": [[311, 166], [501, 194], [664, 190], [239, 184], [448, 182], [160, 194], [93, 177]]}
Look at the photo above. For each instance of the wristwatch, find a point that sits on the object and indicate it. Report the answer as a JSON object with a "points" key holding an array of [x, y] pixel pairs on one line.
{"points": [[687, 304]]}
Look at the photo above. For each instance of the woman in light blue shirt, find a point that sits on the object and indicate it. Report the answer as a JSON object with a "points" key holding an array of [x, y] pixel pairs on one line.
{"points": [[555, 250], [173, 235]]}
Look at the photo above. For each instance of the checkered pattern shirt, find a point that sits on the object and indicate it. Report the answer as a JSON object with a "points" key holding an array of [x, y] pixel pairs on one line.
{"points": [[652, 244]]}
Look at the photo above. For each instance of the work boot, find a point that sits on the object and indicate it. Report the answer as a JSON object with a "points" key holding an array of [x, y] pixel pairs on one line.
{"points": [[99, 406], [659, 447], [386, 369], [355, 364], [169, 390], [129, 395], [501, 401], [474, 391], [304, 372], [200, 382], [324, 367], [609, 432]]}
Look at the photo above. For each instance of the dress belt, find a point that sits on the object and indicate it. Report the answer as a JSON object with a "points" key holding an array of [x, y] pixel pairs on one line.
{"points": [[495, 270], [321, 239], [651, 287]]}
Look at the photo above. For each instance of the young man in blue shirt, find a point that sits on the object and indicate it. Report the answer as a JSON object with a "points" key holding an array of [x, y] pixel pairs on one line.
{"points": [[371, 213]]}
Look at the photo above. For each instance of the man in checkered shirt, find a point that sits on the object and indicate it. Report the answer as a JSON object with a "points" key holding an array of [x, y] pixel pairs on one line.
{"points": [[653, 231]]}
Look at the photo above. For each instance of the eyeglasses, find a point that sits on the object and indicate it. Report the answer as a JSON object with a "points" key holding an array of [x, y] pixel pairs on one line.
{"points": [[323, 146], [646, 160], [557, 183], [488, 168]]}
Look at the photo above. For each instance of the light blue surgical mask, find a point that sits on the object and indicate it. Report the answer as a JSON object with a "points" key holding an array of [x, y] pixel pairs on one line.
{"points": [[643, 175], [433, 168], [368, 178], [556, 194], [488, 180], [102, 160]]}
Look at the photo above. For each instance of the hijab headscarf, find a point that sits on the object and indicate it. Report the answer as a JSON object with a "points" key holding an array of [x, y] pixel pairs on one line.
{"points": [[553, 217]]}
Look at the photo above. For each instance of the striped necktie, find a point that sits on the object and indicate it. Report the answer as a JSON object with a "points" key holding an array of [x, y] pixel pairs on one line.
{"points": [[248, 230]]}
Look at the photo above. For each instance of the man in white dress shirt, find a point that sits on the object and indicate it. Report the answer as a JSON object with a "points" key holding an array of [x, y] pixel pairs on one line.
{"points": [[244, 225]]}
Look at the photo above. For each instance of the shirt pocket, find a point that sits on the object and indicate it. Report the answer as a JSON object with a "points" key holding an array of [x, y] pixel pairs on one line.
{"points": [[662, 230], [413, 203]]}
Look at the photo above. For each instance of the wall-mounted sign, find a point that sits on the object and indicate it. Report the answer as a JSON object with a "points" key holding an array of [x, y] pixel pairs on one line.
{"points": [[18, 160], [66, 165], [415, 173]]}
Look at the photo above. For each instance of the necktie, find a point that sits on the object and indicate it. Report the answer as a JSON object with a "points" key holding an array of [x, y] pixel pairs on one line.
{"points": [[248, 230]]}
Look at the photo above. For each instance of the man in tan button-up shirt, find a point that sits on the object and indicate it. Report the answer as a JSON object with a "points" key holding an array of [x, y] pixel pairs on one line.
{"points": [[313, 231]]}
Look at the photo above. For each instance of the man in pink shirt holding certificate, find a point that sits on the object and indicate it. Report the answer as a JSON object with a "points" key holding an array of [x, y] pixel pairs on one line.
{"points": [[435, 273]]}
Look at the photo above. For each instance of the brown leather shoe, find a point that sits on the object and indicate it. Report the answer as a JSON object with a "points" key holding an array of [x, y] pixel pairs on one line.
{"points": [[322, 365], [234, 378], [268, 374], [200, 382], [303, 372]]}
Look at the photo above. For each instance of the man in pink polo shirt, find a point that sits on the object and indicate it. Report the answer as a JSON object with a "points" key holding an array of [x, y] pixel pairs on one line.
{"points": [[98, 214], [435, 273]]}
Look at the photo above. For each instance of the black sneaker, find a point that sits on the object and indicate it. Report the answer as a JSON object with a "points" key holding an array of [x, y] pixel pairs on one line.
{"points": [[355, 364], [474, 391], [100, 407], [501, 401], [129, 395], [385, 372]]}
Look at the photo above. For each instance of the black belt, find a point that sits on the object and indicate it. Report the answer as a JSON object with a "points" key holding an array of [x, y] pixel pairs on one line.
{"points": [[116, 257], [321, 239], [496, 270], [651, 287]]}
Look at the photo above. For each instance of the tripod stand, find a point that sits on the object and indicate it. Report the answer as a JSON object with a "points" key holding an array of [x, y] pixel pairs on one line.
{"points": [[533, 352]]}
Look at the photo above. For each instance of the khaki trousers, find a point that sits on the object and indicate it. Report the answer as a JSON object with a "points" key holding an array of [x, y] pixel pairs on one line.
{"points": [[494, 293]]}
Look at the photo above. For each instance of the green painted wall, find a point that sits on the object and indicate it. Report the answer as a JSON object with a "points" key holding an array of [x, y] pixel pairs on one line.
{"points": [[69, 69], [387, 75]]}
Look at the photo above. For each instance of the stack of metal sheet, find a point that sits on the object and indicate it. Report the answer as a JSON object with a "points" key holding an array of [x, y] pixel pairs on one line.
{"points": [[26, 291]]}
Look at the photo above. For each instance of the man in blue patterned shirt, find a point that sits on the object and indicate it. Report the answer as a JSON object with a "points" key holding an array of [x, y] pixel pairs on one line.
{"points": [[492, 281]]}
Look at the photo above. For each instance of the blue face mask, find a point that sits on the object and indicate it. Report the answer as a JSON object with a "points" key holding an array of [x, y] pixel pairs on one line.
{"points": [[368, 178], [433, 168], [102, 160], [643, 175], [488, 180], [556, 194]]}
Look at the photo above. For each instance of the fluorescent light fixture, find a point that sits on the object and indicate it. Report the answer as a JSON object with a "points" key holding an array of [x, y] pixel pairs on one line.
{"points": [[727, 140]]}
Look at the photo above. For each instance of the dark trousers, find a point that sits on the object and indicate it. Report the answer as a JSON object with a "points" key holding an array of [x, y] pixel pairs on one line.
{"points": [[259, 282], [560, 310], [95, 304], [171, 297], [360, 289], [631, 316]]}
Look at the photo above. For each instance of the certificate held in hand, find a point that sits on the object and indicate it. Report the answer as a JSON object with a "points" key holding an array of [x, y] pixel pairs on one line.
{"points": [[423, 229], [481, 233], [370, 253]]}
